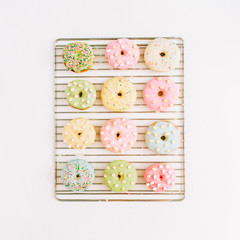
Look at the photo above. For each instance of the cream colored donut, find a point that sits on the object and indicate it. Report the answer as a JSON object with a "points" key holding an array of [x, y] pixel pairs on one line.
{"points": [[118, 94], [162, 55], [79, 133]]}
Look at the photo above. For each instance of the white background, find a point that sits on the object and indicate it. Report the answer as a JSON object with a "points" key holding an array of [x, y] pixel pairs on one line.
{"points": [[28, 209]]}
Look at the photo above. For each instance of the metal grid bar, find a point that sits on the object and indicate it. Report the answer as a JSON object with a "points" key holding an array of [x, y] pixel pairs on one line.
{"points": [[140, 156]]}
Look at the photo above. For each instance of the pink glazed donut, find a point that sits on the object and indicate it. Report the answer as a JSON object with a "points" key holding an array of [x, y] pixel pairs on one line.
{"points": [[122, 53], [159, 177], [160, 93], [118, 135]]}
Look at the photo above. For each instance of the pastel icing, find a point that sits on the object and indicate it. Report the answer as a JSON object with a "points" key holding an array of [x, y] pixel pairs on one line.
{"points": [[80, 94], [118, 94], [118, 135], [160, 177], [162, 137], [120, 176], [79, 133], [160, 93], [122, 53], [78, 175], [78, 56], [162, 55]]}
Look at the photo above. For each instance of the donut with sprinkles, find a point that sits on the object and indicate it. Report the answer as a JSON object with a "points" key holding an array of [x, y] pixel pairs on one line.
{"points": [[160, 177], [78, 57], [118, 135], [122, 53], [160, 93], [162, 55], [79, 133], [78, 175], [120, 176], [118, 94], [80, 94], [162, 137]]}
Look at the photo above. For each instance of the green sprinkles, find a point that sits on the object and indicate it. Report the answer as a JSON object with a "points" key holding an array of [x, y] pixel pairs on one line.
{"points": [[78, 56]]}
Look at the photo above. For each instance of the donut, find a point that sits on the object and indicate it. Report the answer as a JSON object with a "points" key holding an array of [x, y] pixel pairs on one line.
{"points": [[120, 176], [78, 57], [122, 53], [159, 177], [118, 135], [118, 94], [162, 55], [160, 93], [80, 94], [78, 175], [79, 133], [162, 137]]}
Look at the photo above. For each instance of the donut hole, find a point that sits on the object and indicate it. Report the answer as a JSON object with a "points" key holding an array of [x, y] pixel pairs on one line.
{"points": [[77, 134], [120, 176], [122, 52], [119, 94], [80, 94], [163, 138], [77, 55], [162, 54], [160, 93], [78, 175], [117, 134]]}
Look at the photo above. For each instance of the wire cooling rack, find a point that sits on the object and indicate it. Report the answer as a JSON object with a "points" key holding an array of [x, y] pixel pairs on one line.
{"points": [[140, 156]]}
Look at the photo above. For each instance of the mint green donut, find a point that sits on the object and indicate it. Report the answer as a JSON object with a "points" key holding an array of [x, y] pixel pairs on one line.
{"points": [[120, 176], [80, 94]]}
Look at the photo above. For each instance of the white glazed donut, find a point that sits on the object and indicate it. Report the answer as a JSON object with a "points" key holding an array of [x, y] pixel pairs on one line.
{"points": [[162, 55]]}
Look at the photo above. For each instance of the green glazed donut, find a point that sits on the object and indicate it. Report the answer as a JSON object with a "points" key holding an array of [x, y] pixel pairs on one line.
{"points": [[78, 57], [120, 176], [80, 94]]}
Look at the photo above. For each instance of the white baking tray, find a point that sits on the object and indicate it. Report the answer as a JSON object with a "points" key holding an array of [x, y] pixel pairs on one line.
{"points": [[140, 156]]}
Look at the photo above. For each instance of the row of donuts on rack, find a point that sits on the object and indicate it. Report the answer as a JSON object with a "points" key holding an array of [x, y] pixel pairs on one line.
{"points": [[160, 55], [119, 94], [119, 176]]}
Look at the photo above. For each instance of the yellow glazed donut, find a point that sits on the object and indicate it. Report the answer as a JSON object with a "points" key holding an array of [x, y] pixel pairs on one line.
{"points": [[118, 94], [79, 133]]}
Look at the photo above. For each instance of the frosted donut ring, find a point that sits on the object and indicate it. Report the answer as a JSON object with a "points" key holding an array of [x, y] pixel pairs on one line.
{"points": [[160, 93], [118, 135], [80, 94], [118, 94], [78, 57], [122, 53], [120, 176], [162, 137], [78, 175], [79, 133], [162, 55], [159, 177]]}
